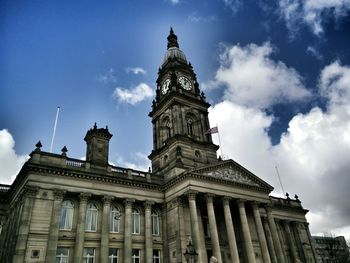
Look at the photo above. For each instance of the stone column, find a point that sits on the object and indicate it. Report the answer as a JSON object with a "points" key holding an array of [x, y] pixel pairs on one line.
{"points": [[194, 223], [230, 231], [127, 230], [261, 234], [291, 242], [300, 246], [181, 229], [280, 235], [80, 233], [148, 231], [314, 254], [54, 225], [213, 228], [164, 224], [275, 238], [105, 228], [269, 240], [23, 231], [248, 245]]}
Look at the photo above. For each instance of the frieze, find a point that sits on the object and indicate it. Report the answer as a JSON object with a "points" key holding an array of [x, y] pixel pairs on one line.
{"points": [[231, 174]]}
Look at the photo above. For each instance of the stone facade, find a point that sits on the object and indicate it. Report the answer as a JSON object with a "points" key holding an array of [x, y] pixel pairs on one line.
{"points": [[68, 210]]}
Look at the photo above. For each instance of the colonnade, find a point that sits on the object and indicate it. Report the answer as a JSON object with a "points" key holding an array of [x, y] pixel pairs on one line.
{"points": [[104, 243], [270, 240]]}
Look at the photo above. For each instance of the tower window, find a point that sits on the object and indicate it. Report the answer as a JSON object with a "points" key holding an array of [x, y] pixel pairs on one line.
{"points": [[189, 126]]}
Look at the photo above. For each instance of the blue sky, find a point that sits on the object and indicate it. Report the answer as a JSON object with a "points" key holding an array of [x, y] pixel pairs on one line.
{"points": [[276, 73]]}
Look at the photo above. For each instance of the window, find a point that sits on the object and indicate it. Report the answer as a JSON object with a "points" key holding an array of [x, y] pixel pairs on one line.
{"points": [[91, 217], [89, 255], [189, 126], [114, 220], [156, 256], [135, 221], [62, 254], [67, 210], [113, 255], [155, 223], [136, 258]]}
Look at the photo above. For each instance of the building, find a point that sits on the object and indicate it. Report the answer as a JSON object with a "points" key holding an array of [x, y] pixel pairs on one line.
{"points": [[61, 209], [331, 249]]}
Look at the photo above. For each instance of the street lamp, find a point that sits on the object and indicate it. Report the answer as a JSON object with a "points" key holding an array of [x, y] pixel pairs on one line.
{"points": [[191, 255]]}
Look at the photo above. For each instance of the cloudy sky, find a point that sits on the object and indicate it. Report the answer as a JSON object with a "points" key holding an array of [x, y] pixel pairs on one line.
{"points": [[277, 74]]}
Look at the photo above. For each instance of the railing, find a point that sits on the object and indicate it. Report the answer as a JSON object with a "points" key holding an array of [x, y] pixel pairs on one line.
{"points": [[4, 188], [75, 163], [132, 172]]}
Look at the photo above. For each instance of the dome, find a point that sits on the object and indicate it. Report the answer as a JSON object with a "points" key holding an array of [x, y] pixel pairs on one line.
{"points": [[174, 52]]}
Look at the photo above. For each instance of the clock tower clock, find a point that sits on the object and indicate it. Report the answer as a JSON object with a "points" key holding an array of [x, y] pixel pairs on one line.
{"points": [[179, 117]]}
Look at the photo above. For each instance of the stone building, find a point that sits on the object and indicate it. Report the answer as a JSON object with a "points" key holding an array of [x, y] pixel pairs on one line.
{"points": [[61, 209], [330, 249]]}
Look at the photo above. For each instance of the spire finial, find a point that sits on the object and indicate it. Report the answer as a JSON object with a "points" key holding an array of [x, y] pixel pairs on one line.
{"points": [[172, 39]]}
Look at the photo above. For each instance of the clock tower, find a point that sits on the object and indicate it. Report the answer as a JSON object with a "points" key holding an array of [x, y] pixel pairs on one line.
{"points": [[179, 117]]}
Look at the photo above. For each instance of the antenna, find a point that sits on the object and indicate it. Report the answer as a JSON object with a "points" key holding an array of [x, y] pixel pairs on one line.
{"points": [[279, 179], [54, 128]]}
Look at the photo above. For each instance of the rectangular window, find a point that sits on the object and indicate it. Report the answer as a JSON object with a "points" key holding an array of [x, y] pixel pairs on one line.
{"points": [[62, 255], [136, 222], [89, 255], [156, 256], [155, 224], [113, 255], [136, 256]]}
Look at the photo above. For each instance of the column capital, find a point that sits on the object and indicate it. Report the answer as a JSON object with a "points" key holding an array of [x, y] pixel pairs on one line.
{"points": [[30, 191], [226, 200], [191, 194], [148, 204], [209, 197], [255, 205], [107, 199], [241, 202], [58, 194], [268, 208], [128, 202], [84, 197]]}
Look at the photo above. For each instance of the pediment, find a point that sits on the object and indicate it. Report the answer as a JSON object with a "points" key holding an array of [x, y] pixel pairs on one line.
{"points": [[231, 171]]}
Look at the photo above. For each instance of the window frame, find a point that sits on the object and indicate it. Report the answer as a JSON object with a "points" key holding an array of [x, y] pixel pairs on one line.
{"points": [[155, 218], [156, 258], [61, 256], [111, 256], [91, 213], [136, 225], [134, 257], [88, 257], [66, 222], [114, 224]]}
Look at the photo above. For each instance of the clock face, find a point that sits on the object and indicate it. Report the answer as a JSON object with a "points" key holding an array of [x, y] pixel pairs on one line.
{"points": [[185, 83], [165, 86]]}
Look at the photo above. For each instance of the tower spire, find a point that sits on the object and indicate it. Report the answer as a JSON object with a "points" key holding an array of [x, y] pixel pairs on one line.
{"points": [[172, 39]]}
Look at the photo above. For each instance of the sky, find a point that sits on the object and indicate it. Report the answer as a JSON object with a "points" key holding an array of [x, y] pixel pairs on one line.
{"points": [[277, 75]]}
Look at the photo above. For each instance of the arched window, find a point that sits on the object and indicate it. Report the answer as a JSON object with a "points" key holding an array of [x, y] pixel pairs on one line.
{"points": [[135, 221], [91, 217], [114, 220], [155, 223], [67, 212], [189, 126]]}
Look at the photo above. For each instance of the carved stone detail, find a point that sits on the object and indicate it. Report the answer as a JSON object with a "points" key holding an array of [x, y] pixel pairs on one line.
{"points": [[148, 204], [58, 194], [191, 194], [128, 202], [84, 197], [231, 174]]}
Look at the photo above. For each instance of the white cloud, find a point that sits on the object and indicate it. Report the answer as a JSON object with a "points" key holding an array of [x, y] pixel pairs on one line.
{"points": [[314, 52], [312, 13], [254, 79], [139, 161], [10, 162], [196, 18], [108, 77], [136, 70], [134, 95], [313, 154], [174, 2], [234, 5]]}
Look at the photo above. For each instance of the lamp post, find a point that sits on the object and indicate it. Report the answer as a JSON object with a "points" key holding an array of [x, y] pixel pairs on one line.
{"points": [[191, 255]]}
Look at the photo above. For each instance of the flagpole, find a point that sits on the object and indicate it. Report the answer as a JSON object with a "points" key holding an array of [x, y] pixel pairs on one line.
{"points": [[222, 155], [279, 178], [54, 129]]}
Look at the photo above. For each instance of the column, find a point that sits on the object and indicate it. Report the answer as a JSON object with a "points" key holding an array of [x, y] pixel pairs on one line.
{"points": [[127, 230], [300, 246], [194, 223], [148, 231], [23, 231], [306, 224], [105, 228], [213, 228], [261, 234], [165, 233], [80, 234], [269, 240], [181, 229], [230, 231], [54, 225], [275, 238], [291, 242], [246, 232], [280, 236]]}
